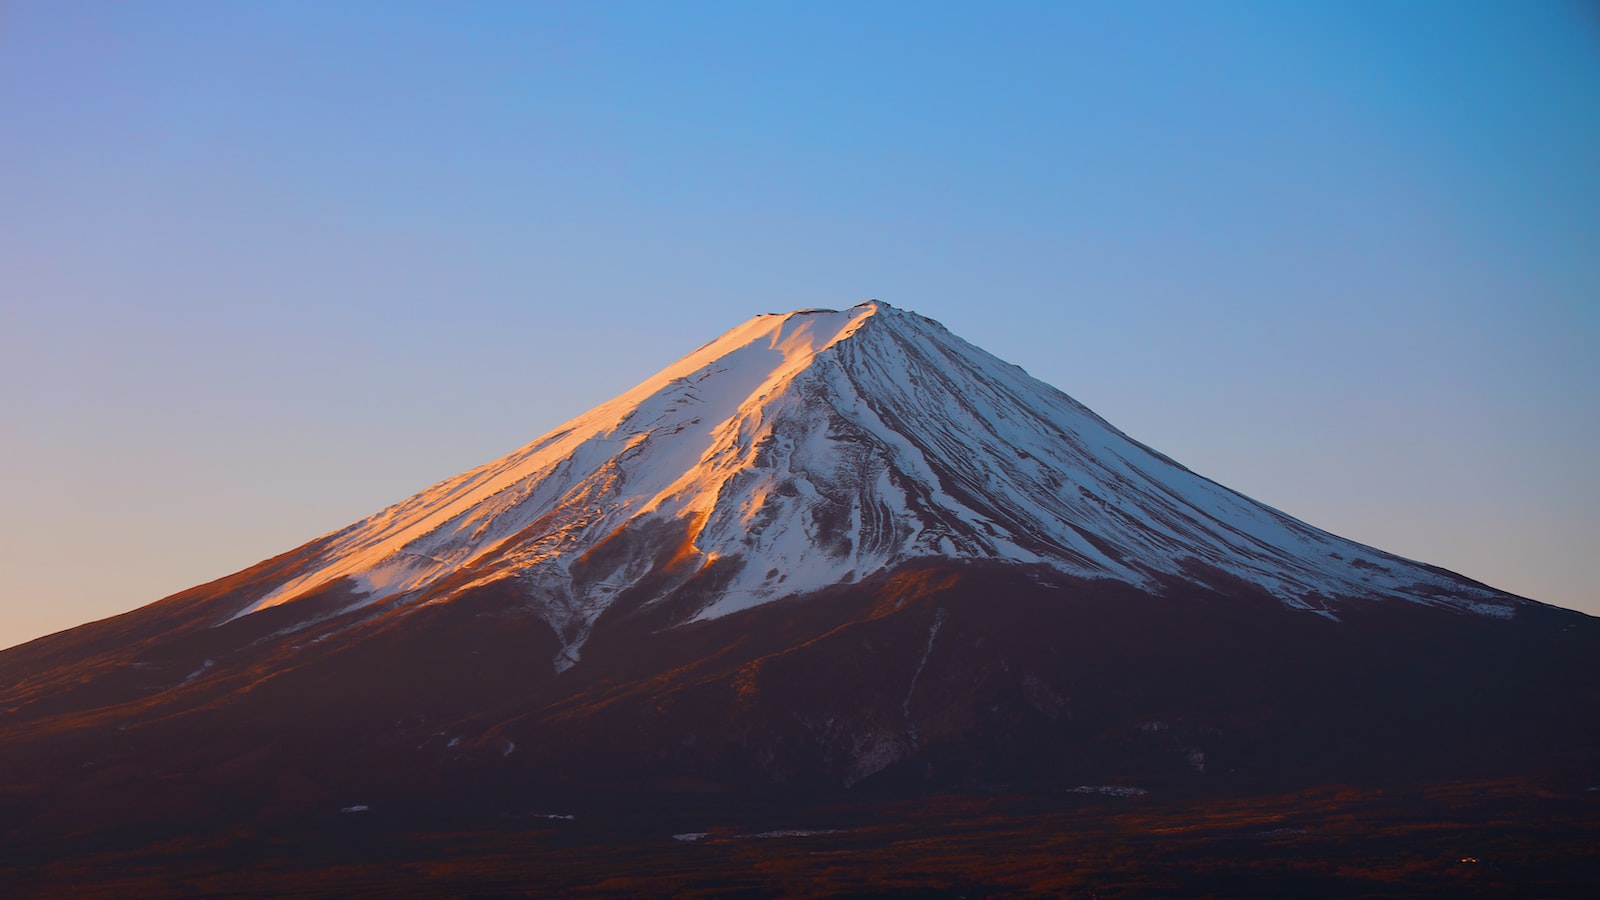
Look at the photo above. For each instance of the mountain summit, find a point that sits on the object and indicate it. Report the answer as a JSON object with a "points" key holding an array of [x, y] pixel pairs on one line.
{"points": [[819, 447], [830, 557]]}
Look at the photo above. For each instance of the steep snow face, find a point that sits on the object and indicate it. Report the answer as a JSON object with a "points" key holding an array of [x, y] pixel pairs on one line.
{"points": [[1021, 471], [818, 447]]}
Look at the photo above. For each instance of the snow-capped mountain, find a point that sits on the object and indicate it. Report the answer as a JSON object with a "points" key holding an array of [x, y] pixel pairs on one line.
{"points": [[820, 447], [828, 555]]}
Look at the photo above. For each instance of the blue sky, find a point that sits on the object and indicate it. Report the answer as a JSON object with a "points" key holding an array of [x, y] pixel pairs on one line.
{"points": [[272, 266]]}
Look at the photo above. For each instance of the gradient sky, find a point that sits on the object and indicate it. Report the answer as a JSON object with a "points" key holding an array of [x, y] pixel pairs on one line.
{"points": [[268, 267]]}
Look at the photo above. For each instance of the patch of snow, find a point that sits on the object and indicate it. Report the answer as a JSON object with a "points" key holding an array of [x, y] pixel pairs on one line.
{"points": [[1110, 790], [691, 836], [200, 671], [358, 808]]}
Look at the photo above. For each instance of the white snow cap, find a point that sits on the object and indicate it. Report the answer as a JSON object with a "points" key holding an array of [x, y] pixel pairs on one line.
{"points": [[817, 447]]}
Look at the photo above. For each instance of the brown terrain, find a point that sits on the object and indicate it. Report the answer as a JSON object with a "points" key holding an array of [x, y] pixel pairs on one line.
{"points": [[958, 729]]}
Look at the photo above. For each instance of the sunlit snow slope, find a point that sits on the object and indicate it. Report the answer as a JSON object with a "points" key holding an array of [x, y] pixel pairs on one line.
{"points": [[816, 447]]}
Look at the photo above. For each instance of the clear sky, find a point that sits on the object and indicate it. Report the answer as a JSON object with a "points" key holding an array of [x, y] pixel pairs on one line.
{"points": [[268, 267]]}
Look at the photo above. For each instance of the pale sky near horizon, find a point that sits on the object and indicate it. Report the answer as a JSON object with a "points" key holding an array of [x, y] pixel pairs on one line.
{"points": [[269, 267]]}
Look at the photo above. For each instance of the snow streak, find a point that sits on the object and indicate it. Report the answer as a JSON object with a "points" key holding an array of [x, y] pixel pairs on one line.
{"points": [[905, 705]]}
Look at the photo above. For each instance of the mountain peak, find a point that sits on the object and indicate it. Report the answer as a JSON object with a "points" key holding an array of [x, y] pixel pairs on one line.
{"points": [[818, 447]]}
